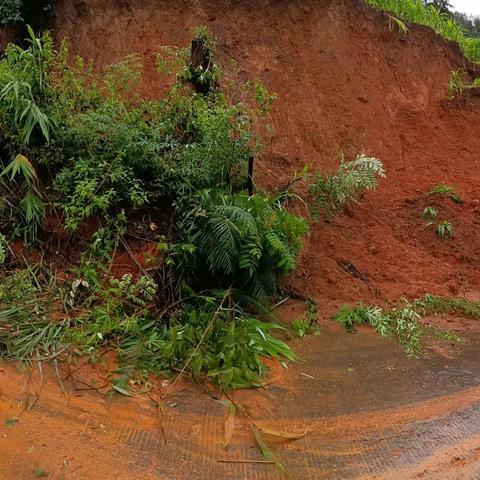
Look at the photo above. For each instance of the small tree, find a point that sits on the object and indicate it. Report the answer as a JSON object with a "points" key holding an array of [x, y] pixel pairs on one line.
{"points": [[443, 5]]}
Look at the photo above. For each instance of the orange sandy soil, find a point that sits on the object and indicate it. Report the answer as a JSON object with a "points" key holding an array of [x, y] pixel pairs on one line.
{"points": [[368, 410], [344, 81]]}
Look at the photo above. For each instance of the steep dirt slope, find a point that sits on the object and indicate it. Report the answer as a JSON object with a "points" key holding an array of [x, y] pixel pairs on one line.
{"points": [[344, 81]]}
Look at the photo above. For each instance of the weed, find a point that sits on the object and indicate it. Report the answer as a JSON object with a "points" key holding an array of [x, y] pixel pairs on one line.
{"points": [[456, 85], [305, 325], [394, 22], [430, 213], [444, 228], [331, 193], [301, 327], [443, 190]]}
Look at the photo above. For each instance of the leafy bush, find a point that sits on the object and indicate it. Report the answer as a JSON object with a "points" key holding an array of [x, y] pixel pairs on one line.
{"points": [[10, 12], [225, 343], [240, 241], [333, 192], [29, 11], [83, 144], [103, 151]]}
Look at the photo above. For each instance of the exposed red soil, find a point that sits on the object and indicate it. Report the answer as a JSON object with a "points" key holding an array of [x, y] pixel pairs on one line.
{"points": [[344, 81]]}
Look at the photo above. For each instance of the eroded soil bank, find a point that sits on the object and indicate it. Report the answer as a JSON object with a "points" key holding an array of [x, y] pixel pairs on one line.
{"points": [[344, 81]]}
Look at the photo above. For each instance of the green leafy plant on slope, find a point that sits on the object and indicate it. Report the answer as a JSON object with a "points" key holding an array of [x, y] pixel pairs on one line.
{"points": [[444, 229], [456, 85], [430, 213], [331, 193], [20, 180], [178, 161], [245, 242], [443, 190], [416, 12], [211, 335], [24, 85], [306, 324], [99, 148]]}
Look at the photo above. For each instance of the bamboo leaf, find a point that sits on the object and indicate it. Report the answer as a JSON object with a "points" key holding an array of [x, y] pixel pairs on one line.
{"points": [[229, 422], [121, 390], [265, 449], [281, 434]]}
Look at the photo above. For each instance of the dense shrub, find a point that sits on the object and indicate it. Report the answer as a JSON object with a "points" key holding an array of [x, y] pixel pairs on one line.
{"points": [[10, 12], [82, 144], [240, 241], [33, 12]]}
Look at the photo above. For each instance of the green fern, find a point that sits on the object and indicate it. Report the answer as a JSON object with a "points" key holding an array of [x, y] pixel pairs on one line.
{"points": [[247, 242]]}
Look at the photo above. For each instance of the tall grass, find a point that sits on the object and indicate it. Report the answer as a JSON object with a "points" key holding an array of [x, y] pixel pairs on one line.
{"points": [[415, 11]]}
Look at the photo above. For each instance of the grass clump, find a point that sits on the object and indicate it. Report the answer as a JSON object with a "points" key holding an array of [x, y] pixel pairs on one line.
{"points": [[415, 11], [457, 85]]}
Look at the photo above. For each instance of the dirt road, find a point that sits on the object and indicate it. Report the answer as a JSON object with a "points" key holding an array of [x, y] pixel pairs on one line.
{"points": [[370, 411]]}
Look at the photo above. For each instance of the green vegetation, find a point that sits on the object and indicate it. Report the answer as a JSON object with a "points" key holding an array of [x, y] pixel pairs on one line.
{"points": [[402, 321], [10, 12], [394, 22], [81, 148], [306, 324], [29, 11], [448, 191], [457, 85], [435, 304], [444, 228], [331, 193], [78, 145], [430, 213], [415, 11]]}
